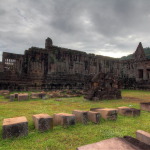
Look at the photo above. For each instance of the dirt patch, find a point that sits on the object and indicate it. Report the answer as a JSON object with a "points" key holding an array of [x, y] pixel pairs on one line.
{"points": [[4, 102], [33, 103]]}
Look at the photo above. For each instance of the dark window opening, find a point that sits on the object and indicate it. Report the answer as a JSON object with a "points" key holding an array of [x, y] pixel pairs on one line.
{"points": [[140, 73], [148, 73]]}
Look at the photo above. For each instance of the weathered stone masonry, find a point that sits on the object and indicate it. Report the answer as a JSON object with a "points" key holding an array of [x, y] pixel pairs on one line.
{"points": [[57, 68]]}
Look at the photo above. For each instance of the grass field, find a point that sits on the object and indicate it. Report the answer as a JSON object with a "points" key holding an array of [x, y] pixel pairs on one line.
{"points": [[70, 138]]}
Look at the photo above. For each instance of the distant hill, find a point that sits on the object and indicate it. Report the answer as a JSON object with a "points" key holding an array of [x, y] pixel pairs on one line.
{"points": [[146, 50]]}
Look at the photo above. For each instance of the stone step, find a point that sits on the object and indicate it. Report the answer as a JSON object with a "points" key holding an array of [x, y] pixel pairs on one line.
{"points": [[110, 144]]}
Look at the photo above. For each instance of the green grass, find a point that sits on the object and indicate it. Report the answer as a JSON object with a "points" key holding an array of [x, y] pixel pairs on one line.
{"points": [[70, 138]]}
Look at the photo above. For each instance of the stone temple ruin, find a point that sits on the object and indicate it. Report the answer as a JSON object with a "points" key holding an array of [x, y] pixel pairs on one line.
{"points": [[104, 86], [55, 67]]}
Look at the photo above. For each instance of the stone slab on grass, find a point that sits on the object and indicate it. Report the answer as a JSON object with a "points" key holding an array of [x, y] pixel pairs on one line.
{"points": [[14, 127], [81, 116], [137, 143], [22, 97], [94, 116], [43, 122], [12, 97], [110, 144], [108, 113], [143, 136], [127, 111], [145, 106], [38, 95], [64, 119]]}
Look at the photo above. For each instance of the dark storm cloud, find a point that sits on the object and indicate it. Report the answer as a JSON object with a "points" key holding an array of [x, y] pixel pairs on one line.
{"points": [[110, 27]]}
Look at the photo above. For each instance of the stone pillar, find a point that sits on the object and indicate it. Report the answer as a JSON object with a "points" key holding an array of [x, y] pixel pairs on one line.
{"points": [[48, 43]]}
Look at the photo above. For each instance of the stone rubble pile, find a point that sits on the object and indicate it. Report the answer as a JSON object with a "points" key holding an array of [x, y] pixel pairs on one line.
{"points": [[41, 95], [103, 86]]}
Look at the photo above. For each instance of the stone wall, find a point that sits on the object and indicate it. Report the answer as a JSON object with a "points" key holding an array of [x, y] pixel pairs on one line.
{"points": [[57, 67]]}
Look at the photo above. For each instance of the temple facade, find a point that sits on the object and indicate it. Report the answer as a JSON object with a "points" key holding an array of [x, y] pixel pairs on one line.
{"points": [[55, 67]]}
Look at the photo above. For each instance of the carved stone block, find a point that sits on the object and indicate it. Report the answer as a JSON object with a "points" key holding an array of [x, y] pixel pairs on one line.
{"points": [[108, 113], [143, 136], [145, 106], [94, 116], [64, 119], [12, 97], [43, 122], [126, 111], [81, 116], [22, 97], [14, 127]]}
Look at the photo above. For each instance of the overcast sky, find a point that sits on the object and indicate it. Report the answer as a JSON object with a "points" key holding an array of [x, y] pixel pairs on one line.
{"points": [[105, 27]]}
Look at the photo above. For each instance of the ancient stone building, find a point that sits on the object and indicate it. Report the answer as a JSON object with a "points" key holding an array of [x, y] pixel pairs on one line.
{"points": [[136, 71], [55, 67]]}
